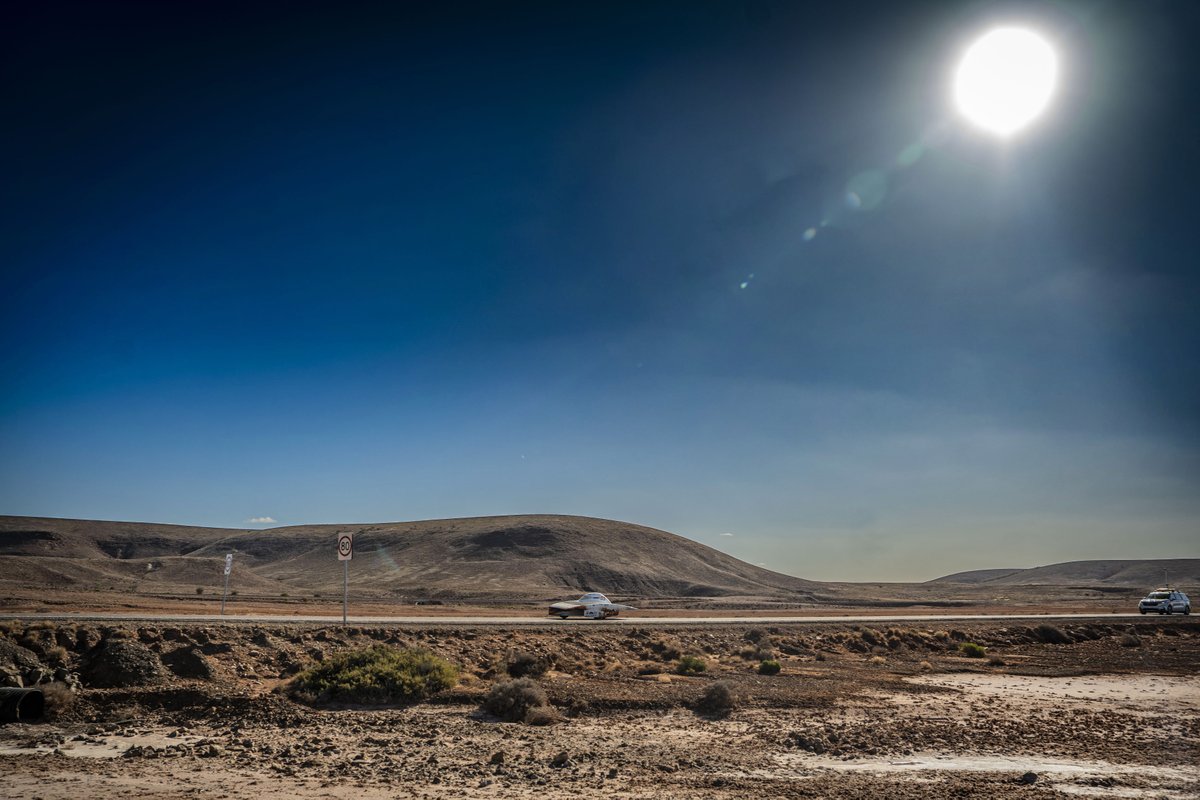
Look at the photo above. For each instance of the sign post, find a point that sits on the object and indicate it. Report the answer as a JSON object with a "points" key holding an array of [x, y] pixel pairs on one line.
{"points": [[345, 552], [228, 569]]}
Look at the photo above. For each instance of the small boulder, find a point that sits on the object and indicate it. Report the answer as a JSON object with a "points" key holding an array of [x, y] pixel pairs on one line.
{"points": [[119, 663], [561, 760], [189, 662], [1028, 778]]}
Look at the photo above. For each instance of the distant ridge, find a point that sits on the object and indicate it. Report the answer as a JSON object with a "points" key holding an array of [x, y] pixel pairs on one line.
{"points": [[1118, 572], [510, 556]]}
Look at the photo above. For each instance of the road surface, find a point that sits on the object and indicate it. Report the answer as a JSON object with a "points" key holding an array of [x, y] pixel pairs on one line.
{"points": [[503, 622]]}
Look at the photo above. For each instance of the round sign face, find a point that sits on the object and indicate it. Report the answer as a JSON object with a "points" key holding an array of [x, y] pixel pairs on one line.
{"points": [[345, 546]]}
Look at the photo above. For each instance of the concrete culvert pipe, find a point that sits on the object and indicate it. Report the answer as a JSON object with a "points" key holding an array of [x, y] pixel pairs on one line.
{"points": [[21, 705]]}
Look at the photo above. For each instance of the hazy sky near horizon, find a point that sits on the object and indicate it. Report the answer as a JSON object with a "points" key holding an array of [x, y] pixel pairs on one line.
{"points": [[734, 270]]}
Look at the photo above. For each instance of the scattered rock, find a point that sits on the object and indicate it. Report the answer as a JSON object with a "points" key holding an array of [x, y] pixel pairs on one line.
{"points": [[1028, 778], [561, 760], [497, 757]]}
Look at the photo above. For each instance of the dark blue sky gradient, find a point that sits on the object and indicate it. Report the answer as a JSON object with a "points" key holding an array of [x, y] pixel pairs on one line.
{"points": [[365, 262]]}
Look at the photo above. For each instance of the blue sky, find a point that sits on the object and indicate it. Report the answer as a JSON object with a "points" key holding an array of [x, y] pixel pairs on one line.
{"points": [[714, 268]]}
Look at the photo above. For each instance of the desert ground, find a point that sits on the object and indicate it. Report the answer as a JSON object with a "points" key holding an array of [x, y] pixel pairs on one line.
{"points": [[1101, 708]]}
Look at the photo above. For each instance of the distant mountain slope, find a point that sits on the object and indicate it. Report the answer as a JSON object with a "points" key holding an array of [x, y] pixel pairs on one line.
{"points": [[1118, 572], [513, 556]]}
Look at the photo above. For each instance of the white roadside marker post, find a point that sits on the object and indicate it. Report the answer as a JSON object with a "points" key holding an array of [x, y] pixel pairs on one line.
{"points": [[345, 552], [228, 569]]}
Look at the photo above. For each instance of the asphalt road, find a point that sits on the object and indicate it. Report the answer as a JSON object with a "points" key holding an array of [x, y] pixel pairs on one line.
{"points": [[513, 622]]}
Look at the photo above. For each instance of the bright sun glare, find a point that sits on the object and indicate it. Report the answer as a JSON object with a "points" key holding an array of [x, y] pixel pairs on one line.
{"points": [[1005, 80]]}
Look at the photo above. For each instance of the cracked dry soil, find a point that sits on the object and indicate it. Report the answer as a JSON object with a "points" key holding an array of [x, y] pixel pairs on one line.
{"points": [[858, 711]]}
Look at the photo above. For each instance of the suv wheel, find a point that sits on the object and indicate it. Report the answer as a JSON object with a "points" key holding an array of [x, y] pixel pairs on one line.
{"points": [[1187, 610]]}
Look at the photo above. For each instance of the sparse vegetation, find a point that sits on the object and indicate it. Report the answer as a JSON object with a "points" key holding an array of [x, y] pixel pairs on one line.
{"points": [[526, 665], [512, 701], [199, 590], [665, 650], [769, 666], [972, 650], [690, 665], [1130, 640], [378, 675], [996, 661], [57, 656], [717, 700], [58, 698], [760, 653]]}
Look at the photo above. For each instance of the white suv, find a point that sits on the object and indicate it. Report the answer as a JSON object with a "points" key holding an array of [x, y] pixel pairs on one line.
{"points": [[1165, 601]]}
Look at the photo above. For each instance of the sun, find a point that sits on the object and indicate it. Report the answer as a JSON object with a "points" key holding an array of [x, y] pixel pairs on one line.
{"points": [[1005, 80]]}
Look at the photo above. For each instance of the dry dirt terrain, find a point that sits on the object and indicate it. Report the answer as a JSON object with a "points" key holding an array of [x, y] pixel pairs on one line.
{"points": [[1080, 709]]}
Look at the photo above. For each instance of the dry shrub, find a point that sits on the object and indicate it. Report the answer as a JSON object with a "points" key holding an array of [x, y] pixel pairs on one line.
{"points": [[755, 635], [717, 700], [57, 656], [665, 650], [996, 661], [876, 661], [1130, 640], [511, 701], [925, 666], [526, 665], [757, 653], [58, 698]]}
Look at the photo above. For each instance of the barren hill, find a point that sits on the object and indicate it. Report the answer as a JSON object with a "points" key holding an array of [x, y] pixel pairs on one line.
{"points": [[513, 556], [1118, 572]]}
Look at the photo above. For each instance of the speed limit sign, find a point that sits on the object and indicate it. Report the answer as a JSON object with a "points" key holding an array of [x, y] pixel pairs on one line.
{"points": [[345, 546]]}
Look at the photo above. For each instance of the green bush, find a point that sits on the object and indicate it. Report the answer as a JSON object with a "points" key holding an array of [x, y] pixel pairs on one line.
{"points": [[768, 666], [515, 701], [378, 675], [691, 665], [972, 650]]}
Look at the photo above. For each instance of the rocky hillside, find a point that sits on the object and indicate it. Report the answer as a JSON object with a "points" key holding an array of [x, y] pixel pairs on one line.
{"points": [[511, 557]]}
